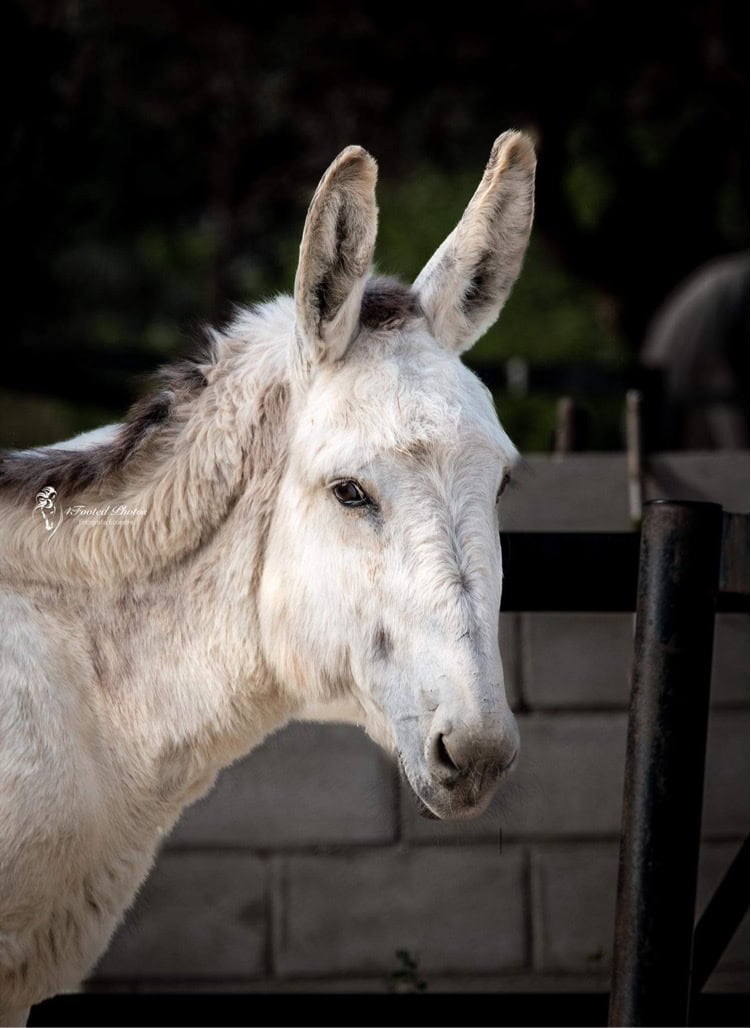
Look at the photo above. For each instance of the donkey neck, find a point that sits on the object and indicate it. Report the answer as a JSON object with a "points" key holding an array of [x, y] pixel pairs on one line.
{"points": [[157, 618], [185, 456]]}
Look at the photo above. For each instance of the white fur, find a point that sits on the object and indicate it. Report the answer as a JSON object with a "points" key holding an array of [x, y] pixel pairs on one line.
{"points": [[485, 250], [140, 658], [85, 440]]}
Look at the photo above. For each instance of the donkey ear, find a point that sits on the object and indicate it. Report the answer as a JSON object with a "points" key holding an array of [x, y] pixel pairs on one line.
{"points": [[467, 281], [335, 255]]}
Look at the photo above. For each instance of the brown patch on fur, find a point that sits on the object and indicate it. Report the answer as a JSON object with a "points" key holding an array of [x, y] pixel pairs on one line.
{"points": [[419, 450], [110, 872], [464, 583], [481, 291], [52, 942], [22, 475], [388, 303], [269, 460], [332, 290], [382, 643], [90, 897], [97, 661], [332, 682]]}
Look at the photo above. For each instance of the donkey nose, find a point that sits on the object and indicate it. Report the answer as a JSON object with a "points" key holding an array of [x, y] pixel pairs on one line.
{"points": [[453, 754]]}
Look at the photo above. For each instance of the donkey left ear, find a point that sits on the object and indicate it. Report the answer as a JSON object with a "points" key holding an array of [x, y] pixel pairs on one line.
{"points": [[467, 281], [335, 255]]}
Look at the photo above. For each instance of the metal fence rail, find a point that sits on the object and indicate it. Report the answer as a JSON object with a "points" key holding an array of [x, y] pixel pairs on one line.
{"points": [[598, 571], [688, 552], [689, 562]]}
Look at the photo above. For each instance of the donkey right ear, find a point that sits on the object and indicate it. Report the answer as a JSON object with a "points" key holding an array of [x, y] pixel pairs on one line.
{"points": [[468, 279], [335, 255]]}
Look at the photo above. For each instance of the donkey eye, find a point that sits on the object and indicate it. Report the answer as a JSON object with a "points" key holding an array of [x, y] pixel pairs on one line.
{"points": [[504, 482], [350, 494]]}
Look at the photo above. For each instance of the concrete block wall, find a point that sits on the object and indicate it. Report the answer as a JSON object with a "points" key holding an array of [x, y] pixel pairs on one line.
{"points": [[309, 869]]}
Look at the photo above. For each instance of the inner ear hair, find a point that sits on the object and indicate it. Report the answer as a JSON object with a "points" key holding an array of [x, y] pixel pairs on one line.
{"points": [[465, 284], [335, 255]]}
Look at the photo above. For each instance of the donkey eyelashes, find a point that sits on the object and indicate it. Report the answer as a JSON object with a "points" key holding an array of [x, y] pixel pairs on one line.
{"points": [[351, 494], [502, 487]]}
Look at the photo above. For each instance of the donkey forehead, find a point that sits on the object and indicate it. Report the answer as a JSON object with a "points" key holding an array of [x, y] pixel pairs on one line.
{"points": [[399, 393]]}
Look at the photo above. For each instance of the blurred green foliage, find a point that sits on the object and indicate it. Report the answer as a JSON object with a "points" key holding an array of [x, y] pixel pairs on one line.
{"points": [[28, 420], [160, 157], [150, 289], [553, 314]]}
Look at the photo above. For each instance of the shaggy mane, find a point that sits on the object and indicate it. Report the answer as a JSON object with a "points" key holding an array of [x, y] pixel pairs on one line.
{"points": [[24, 473], [387, 303]]}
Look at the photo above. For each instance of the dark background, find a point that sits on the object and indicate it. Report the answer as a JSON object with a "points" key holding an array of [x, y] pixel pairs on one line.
{"points": [[160, 155]]}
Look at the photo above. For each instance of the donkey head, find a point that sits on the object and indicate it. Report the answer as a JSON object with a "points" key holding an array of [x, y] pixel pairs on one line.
{"points": [[382, 580]]}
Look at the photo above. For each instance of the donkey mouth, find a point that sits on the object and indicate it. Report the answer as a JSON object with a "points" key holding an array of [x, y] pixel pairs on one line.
{"points": [[457, 802], [422, 807], [424, 810], [461, 798]]}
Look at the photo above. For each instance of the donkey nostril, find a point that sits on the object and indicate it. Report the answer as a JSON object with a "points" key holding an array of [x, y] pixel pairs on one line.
{"points": [[444, 757]]}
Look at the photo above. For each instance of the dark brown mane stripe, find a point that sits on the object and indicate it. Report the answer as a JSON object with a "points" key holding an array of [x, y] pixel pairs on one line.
{"points": [[70, 471], [388, 303]]}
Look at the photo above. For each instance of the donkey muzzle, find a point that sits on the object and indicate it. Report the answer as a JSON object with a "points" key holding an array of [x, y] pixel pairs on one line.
{"points": [[465, 762]]}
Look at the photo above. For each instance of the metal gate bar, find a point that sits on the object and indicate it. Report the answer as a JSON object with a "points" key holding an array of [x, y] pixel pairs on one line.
{"points": [[720, 921], [679, 565]]}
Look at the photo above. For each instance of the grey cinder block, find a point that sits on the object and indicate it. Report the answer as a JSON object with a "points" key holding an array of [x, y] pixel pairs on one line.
{"points": [[201, 915], [577, 660], [458, 910], [574, 895], [715, 858], [508, 635], [725, 810], [584, 660], [730, 659], [583, 492], [310, 784], [588, 492], [568, 783], [717, 477], [574, 892]]}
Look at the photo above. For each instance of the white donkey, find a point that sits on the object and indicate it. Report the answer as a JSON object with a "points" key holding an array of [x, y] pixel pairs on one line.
{"points": [[300, 525]]}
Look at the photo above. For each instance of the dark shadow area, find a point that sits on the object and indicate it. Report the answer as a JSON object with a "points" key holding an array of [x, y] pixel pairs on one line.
{"points": [[159, 158], [555, 1010]]}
